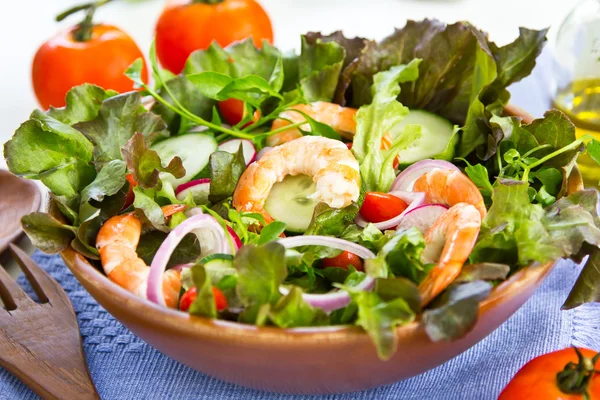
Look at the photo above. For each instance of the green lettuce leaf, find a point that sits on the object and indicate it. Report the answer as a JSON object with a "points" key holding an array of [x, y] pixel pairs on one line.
{"points": [[455, 311], [331, 221], [109, 181], [147, 209], [375, 120], [483, 272], [352, 46], [379, 318], [44, 148], [83, 103], [47, 233], [145, 164], [587, 286], [403, 253], [261, 270], [204, 303], [512, 232], [119, 118], [292, 311], [319, 65], [187, 250], [225, 171]]}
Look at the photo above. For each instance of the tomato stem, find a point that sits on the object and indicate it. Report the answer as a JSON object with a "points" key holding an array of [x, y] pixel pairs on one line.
{"points": [[83, 31], [575, 377]]}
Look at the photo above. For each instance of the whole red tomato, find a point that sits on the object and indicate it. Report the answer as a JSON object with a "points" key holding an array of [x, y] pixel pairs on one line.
{"points": [[189, 25], [563, 374], [63, 62]]}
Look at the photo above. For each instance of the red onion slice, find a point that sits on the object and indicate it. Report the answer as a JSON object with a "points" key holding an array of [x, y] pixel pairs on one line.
{"points": [[200, 222], [407, 178], [414, 199], [422, 217], [334, 300]]}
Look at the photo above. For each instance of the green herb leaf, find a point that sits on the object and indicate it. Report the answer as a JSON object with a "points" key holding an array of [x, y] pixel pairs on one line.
{"points": [[145, 164], [271, 232], [204, 304], [455, 311], [261, 270], [55, 153], [83, 103], [292, 311], [479, 175], [225, 172]]}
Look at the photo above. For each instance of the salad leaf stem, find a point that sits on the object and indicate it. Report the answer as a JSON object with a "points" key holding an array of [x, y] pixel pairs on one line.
{"points": [[542, 160]]}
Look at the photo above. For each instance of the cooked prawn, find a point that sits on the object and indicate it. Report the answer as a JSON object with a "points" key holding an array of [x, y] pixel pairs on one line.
{"points": [[117, 241], [332, 166], [449, 187], [449, 242], [341, 119]]}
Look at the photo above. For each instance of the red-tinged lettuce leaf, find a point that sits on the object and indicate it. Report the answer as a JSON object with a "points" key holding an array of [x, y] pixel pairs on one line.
{"points": [[44, 148], [109, 181], [352, 46], [587, 286], [455, 312], [187, 250], [225, 171], [483, 272], [145, 164], [516, 60], [118, 119], [82, 104]]}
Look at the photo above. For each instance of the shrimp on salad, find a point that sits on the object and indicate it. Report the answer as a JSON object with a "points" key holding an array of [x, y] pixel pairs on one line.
{"points": [[329, 162], [449, 241], [449, 187], [117, 241]]}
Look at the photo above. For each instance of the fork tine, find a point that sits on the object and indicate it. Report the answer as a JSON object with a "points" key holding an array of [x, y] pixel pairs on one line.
{"points": [[40, 281], [11, 293]]}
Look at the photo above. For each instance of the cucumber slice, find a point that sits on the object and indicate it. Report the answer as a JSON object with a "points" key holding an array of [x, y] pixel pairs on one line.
{"points": [[194, 149], [288, 202], [218, 265], [438, 141]]}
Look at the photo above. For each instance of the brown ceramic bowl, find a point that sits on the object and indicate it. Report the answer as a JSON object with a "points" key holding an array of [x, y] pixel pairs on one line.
{"points": [[301, 361]]}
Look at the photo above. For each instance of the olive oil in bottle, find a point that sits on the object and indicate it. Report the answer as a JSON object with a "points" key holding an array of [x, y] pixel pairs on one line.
{"points": [[581, 102], [576, 71]]}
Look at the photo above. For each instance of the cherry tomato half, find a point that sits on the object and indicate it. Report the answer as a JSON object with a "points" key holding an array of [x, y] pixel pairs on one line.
{"points": [[63, 62], [537, 380], [379, 207], [185, 26], [342, 260], [190, 295], [233, 112]]}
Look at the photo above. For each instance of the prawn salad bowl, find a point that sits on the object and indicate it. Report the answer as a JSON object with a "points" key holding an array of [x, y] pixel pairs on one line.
{"points": [[266, 217]]}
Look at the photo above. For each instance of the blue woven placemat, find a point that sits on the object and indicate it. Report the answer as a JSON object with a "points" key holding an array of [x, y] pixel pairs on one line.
{"points": [[124, 367]]}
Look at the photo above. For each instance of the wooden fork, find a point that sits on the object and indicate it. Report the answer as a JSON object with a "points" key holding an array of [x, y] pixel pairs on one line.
{"points": [[40, 343]]}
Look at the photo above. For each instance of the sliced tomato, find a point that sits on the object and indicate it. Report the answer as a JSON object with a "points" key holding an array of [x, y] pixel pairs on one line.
{"points": [[343, 260], [190, 295], [379, 207]]}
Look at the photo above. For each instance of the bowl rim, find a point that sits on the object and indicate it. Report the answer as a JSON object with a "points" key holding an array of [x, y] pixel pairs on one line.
{"points": [[152, 315]]}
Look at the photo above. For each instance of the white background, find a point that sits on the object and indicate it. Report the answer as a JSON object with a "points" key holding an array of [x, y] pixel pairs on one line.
{"points": [[26, 24]]}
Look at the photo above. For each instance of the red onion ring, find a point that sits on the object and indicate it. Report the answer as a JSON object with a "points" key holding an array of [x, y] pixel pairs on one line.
{"points": [[334, 300], [407, 178], [414, 199], [154, 291]]}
